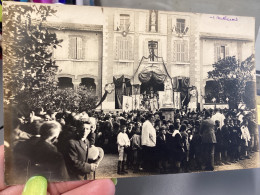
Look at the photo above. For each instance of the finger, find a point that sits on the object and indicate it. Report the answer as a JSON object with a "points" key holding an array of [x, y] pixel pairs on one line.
{"points": [[97, 187], [61, 187], [13, 190], [2, 184]]}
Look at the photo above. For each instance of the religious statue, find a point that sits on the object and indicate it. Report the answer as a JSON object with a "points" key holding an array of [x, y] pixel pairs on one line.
{"points": [[153, 21], [168, 93], [193, 99]]}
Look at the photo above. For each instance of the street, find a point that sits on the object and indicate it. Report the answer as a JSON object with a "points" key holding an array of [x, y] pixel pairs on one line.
{"points": [[108, 167]]}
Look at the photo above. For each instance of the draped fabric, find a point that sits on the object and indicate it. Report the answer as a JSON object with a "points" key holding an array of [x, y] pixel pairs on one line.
{"points": [[122, 87], [152, 72]]}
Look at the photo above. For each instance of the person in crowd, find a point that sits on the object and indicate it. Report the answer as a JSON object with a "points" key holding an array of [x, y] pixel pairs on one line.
{"points": [[123, 143], [225, 142], [148, 138], [219, 145], [76, 153], [245, 138], [162, 150], [39, 156], [208, 141], [137, 149]]}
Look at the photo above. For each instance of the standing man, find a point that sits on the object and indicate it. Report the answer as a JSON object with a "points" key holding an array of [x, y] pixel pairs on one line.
{"points": [[148, 139], [208, 141], [76, 153]]}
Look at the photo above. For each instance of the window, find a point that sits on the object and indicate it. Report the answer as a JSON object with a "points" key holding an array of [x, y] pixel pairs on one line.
{"points": [[181, 51], [76, 48], [222, 51], [153, 50], [123, 48], [124, 22], [180, 25], [65, 82]]}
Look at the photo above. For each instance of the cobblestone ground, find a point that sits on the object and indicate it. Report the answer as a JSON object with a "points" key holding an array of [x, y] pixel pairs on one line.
{"points": [[108, 167]]}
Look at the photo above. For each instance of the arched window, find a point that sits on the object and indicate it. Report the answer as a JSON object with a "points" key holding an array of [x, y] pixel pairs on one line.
{"points": [[65, 82], [89, 83]]}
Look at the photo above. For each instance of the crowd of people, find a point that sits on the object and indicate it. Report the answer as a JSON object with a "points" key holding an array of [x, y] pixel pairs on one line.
{"points": [[69, 146]]}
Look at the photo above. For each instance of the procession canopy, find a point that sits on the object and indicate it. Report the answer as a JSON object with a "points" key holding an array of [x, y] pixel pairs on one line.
{"points": [[152, 73]]}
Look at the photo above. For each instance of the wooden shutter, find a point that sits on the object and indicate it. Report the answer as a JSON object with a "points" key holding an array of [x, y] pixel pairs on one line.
{"points": [[226, 51], [217, 52], [130, 49], [79, 48], [72, 48], [186, 51]]}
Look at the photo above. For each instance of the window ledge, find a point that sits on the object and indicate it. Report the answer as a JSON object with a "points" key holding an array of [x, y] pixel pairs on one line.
{"points": [[125, 61], [182, 63]]}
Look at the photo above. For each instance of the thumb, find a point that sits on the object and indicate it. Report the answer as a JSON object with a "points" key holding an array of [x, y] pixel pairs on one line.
{"points": [[35, 185]]}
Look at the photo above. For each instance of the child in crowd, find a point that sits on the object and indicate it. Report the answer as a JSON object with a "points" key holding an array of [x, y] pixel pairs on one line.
{"points": [[123, 143]]}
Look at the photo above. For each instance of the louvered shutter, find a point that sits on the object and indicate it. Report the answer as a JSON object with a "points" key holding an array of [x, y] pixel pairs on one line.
{"points": [[186, 51], [79, 48], [217, 53], [72, 48], [117, 49], [226, 51]]}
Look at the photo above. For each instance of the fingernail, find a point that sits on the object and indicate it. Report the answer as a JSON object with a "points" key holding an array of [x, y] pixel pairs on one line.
{"points": [[35, 185], [114, 180]]}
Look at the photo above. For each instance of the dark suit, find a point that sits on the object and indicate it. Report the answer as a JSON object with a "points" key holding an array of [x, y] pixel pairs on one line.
{"points": [[38, 157], [76, 158]]}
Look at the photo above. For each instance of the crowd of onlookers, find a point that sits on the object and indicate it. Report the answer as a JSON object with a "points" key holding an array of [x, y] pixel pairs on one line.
{"points": [[68, 145]]}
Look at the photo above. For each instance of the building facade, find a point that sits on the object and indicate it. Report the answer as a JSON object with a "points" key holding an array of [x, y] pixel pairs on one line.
{"points": [[123, 45]]}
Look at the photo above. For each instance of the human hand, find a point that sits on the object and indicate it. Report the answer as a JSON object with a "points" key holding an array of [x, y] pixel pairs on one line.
{"points": [[96, 187], [93, 166]]}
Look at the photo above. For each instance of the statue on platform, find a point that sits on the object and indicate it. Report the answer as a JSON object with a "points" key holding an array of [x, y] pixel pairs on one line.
{"points": [[153, 21], [168, 93], [193, 99]]}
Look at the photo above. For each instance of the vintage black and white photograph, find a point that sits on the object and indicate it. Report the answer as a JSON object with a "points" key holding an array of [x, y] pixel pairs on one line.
{"points": [[98, 92]]}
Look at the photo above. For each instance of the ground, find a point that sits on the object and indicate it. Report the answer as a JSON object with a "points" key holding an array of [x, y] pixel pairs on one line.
{"points": [[108, 167]]}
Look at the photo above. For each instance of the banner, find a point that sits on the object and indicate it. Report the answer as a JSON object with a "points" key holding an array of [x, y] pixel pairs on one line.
{"points": [[127, 103], [161, 98]]}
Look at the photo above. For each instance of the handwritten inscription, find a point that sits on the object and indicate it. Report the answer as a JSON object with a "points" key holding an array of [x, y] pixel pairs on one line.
{"points": [[226, 18]]}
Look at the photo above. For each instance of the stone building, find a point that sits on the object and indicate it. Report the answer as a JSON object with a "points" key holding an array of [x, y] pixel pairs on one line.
{"points": [[113, 45]]}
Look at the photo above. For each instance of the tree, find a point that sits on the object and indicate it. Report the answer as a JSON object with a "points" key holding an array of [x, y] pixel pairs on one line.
{"points": [[29, 72], [231, 77]]}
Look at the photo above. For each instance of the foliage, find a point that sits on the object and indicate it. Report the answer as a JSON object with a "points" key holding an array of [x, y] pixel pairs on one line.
{"points": [[231, 77], [27, 47], [29, 72]]}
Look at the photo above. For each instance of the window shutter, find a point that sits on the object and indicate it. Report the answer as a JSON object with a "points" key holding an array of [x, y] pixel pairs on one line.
{"points": [[79, 48], [174, 51], [227, 51], [186, 51], [129, 48], [72, 48], [178, 51], [217, 53]]}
